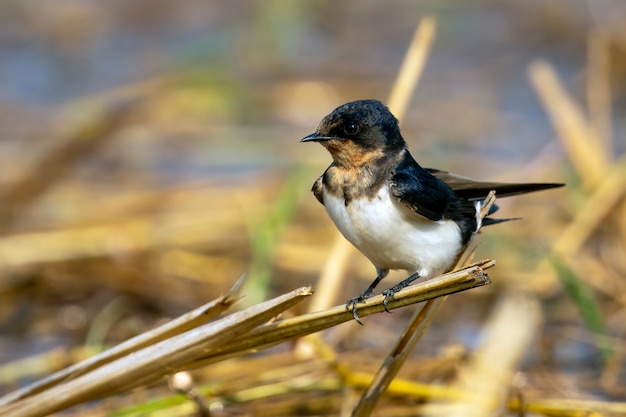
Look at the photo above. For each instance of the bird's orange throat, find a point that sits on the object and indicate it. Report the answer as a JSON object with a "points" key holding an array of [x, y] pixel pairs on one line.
{"points": [[347, 154]]}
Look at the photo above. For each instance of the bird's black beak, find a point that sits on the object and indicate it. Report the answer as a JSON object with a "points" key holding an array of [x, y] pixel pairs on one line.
{"points": [[315, 137]]}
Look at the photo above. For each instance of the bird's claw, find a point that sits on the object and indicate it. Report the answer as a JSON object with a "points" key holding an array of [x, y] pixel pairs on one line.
{"points": [[352, 304], [388, 294]]}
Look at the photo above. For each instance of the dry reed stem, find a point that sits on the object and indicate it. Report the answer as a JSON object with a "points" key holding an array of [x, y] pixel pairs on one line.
{"points": [[588, 150], [283, 330], [57, 163], [413, 332], [605, 197], [152, 362], [579, 138], [486, 380], [412, 67], [395, 359], [222, 339], [569, 408], [597, 206], [599, 88], [133, 235], [284, 399], [329, 284], [172, 328]]}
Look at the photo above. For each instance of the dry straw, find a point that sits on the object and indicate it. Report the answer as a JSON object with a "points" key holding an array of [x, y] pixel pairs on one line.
{"points": [[150, 357]]}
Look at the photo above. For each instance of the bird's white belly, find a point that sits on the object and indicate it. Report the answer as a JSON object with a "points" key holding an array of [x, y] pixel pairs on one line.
{"points": [[393, 237]]}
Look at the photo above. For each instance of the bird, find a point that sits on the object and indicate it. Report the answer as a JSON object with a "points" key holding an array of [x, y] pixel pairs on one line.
{"points": [[398, 214]]}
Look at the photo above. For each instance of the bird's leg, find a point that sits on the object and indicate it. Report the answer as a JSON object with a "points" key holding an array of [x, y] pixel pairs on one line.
{"points": [[391, 291], [351, 304]]}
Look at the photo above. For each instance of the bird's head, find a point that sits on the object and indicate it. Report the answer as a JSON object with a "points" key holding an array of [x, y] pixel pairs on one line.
{"points": [[358, 132]]}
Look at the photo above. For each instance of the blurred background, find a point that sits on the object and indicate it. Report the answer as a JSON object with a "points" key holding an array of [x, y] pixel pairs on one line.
{"points": [[150, 155]]}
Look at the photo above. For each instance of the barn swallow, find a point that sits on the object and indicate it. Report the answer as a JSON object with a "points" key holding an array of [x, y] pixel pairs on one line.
{"points": [[398, 214]]}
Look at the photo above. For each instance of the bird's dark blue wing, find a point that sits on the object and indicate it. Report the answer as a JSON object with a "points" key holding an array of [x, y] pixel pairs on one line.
{"points": [[423, 193]]}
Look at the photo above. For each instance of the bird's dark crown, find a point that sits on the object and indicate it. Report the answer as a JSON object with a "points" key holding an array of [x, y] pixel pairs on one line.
{"points": [[367, 123]]}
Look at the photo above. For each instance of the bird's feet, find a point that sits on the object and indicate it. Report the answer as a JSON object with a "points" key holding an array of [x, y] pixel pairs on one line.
{"points": [[390, 292], [351, 304]]}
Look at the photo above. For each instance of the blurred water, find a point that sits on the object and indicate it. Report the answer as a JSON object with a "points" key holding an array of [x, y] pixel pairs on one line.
{"points": [[479, 59]]}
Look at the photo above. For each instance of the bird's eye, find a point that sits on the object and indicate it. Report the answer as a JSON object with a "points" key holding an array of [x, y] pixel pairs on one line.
{"points": [[351, 129]]}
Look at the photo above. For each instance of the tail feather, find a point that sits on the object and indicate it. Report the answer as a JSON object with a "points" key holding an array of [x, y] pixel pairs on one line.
{"points": [[480, 190], [488, 221], [477, 190]]}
